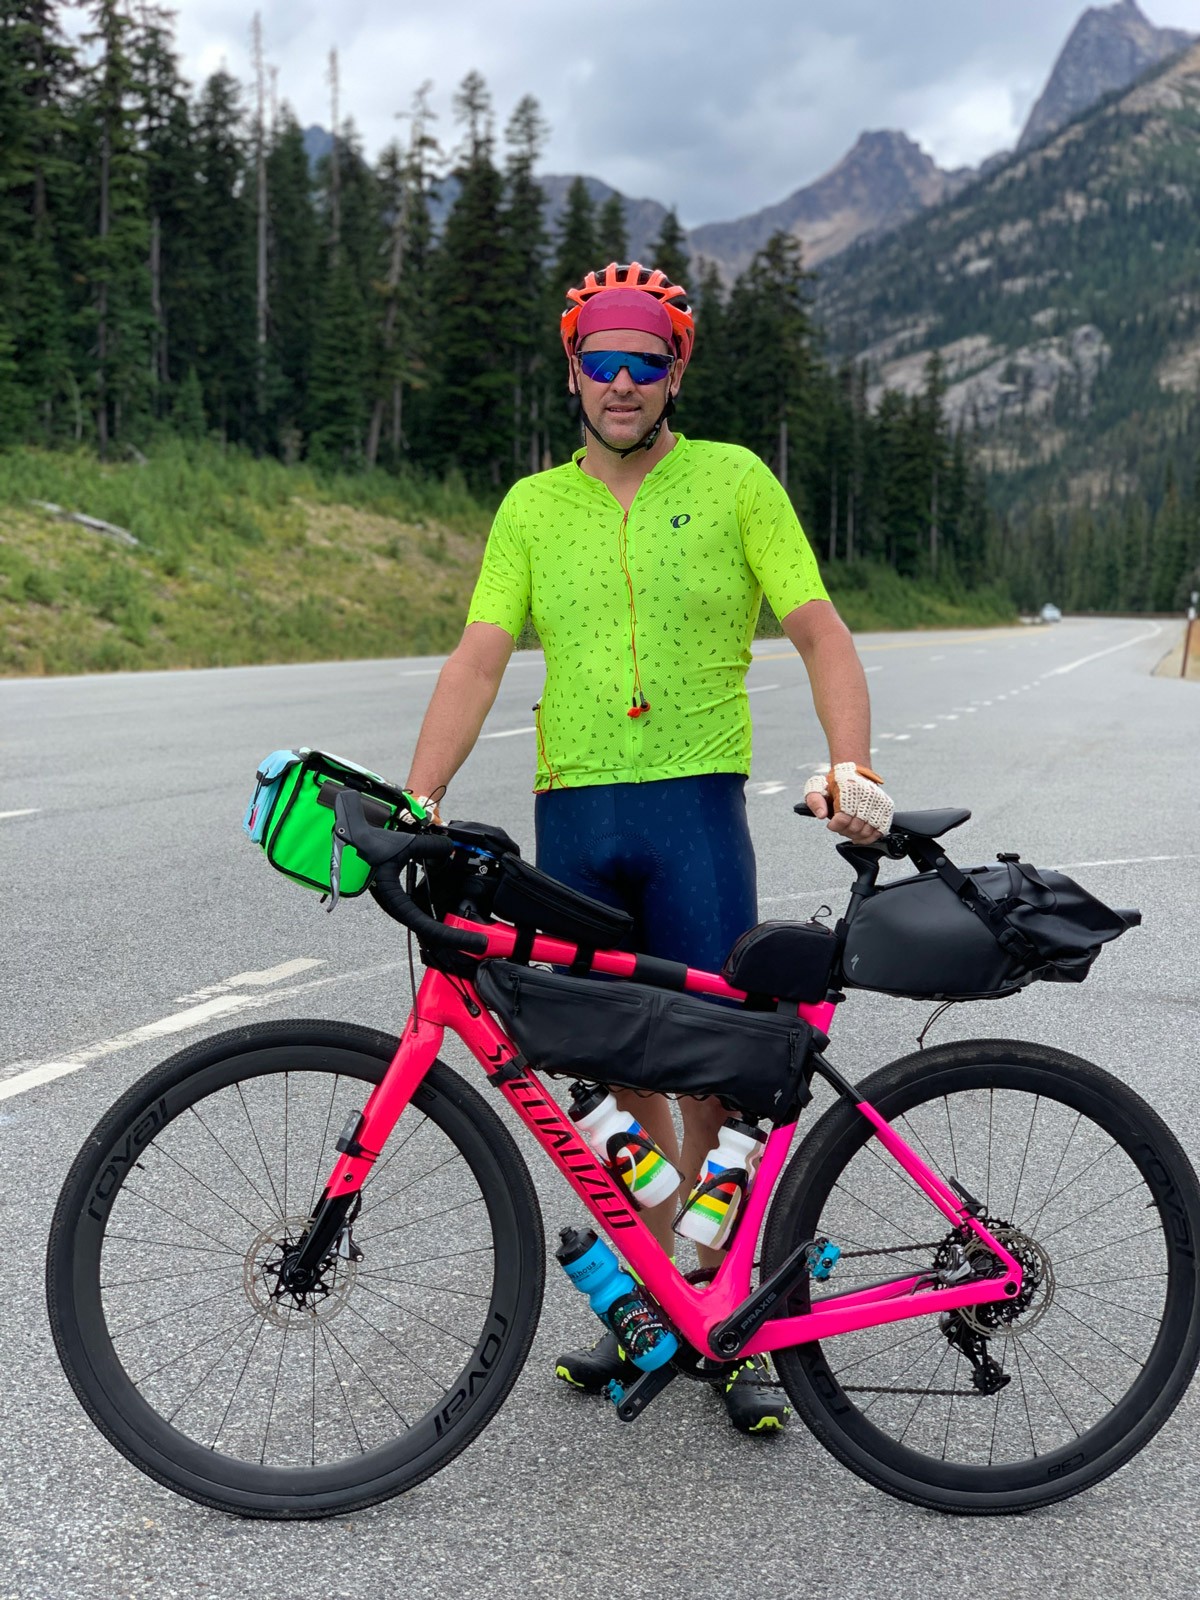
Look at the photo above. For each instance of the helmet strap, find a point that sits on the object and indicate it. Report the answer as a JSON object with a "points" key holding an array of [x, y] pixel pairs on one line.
{"points": [[646, 442]]}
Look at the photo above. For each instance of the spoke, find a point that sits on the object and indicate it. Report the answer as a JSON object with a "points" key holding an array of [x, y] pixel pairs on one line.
{"points": [[1057, 1170], [250, 1184], [207, 1187], [1025, 1155], [281, 1211], [324, 1143], [184, 1221], [351, 1356], [190, 1351], [872, 1355], [1100, 1205], [1111, 1244], [950, 1132], [1137, 1361], [175, 1311], [455, 1155], [410, 1311], [1106, 1300], [413, 1129], [287, 1328], [1024, 1396], [1065, 1414], [891, 1223], [171, 1244], [437, 1383], [903, 1373], [340, 1387], [435, 1288], [428, 1216], [941, 1361], [1071, 1367], [238, 1384], [157, 1277]]}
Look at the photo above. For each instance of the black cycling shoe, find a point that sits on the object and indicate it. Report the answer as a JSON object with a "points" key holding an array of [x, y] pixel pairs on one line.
{"points": [[593, 1370], [752, 1407]]}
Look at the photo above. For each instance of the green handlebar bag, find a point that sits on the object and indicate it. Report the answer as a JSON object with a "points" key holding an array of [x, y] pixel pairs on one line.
{"points": [[291, 816]]}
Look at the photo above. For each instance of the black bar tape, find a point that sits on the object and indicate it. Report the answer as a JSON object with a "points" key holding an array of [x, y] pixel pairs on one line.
{"points": [[662, 974]]}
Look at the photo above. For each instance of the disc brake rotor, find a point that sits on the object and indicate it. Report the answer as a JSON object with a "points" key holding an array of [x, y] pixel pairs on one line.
{"points": [[263, 1264]]}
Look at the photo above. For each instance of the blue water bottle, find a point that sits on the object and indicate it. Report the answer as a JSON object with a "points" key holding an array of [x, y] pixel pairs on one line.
{"points": [[616, 1299]]}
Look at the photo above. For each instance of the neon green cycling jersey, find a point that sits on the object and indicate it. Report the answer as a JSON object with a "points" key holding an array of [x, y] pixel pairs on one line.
{"points": [[661, 602]]}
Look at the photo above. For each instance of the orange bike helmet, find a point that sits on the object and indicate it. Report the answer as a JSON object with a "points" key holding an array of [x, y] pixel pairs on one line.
{"points": [[671, 296]]}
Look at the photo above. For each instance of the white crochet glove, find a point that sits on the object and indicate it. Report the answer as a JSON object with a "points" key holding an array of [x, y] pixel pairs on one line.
{"points": [[856, 791]]}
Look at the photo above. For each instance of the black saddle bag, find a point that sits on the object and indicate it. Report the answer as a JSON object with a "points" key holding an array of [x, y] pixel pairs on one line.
{"points": [[634, 1037], [977, 933]]}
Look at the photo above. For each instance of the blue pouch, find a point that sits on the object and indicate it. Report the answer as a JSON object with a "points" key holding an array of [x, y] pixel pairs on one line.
{"points": [[268, 782]]}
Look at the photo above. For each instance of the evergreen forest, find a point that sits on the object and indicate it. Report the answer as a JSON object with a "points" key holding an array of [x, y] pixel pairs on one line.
{"points": [[174, 267]]}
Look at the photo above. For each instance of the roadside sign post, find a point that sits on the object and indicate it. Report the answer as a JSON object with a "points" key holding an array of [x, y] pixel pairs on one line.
{"points": [[1187, 632]]}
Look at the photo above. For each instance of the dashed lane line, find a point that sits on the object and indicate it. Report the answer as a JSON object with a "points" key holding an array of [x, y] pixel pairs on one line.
{"points": [[508, 733], [20, 1076], [29, 811], [1141, 638], [253, 980]]}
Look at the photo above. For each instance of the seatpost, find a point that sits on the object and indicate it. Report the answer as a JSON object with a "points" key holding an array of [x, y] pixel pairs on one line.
{"points": [[865, 859]]}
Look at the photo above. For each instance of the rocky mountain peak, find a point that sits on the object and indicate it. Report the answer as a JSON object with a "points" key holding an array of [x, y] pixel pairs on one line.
{"points": [[882, 181], [1107, 49]]}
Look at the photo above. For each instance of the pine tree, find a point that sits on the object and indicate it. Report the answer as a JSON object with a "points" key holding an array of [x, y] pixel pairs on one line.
{"points": [[707, 397], [470, 403], [291, 275], [36, 69], [669, 252], [525, 245], [612, 237], [113, 169]]}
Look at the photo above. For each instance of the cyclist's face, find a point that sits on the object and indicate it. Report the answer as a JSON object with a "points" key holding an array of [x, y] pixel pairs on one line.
{"points": [[621, 410]]}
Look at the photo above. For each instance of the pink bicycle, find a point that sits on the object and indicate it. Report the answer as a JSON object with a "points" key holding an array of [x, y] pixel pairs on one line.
{"points": [[298, 1267]]}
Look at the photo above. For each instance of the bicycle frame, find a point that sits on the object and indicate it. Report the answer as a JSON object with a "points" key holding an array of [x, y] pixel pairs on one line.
{"points": [[696, 1310]]}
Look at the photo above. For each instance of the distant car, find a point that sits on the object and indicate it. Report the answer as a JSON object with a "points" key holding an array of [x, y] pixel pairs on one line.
{"points": [[1049, 613]]}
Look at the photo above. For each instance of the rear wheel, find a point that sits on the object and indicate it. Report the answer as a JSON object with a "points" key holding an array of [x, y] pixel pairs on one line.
{"points": [[1003, 1408], [164, 1291]]}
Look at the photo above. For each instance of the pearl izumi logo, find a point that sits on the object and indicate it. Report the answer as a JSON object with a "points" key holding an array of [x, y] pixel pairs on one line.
{"points": [[681, 522]]}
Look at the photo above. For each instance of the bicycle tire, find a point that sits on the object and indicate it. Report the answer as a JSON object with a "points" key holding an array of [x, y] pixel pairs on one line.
{"points": [[180, 1130], [1066, 1350]]}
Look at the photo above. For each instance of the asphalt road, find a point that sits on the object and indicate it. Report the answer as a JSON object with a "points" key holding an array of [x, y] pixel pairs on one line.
{"points": [[138, 919]]}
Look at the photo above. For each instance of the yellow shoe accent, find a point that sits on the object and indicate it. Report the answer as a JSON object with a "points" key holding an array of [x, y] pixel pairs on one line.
{"points": [[565, 1375]]}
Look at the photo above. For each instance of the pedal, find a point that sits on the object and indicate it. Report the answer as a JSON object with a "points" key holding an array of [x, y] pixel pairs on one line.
{"points": [[632, 1401]]}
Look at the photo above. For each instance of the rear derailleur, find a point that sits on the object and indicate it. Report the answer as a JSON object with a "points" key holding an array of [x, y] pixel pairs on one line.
{"points": [[988, 1376]]}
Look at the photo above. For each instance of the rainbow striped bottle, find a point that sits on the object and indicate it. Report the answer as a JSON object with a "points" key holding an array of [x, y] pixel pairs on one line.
{"points": [[725, 1177], [620, 1141]]}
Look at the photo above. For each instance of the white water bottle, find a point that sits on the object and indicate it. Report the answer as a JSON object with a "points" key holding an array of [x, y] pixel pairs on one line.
{"points": [[619, 1140], [724, 1180]]}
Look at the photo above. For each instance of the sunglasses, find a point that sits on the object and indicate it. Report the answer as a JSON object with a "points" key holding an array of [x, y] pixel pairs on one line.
{"points": [[602, 366]]}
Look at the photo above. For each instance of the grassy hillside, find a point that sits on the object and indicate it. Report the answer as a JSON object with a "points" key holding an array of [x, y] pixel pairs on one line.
{"points": [[241, 561]]}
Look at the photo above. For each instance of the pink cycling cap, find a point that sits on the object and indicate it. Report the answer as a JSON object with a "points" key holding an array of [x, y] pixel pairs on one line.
{"points": [[624, 308]]}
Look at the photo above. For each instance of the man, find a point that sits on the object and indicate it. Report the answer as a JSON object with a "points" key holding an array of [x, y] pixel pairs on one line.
{"points": [[643, 562]]}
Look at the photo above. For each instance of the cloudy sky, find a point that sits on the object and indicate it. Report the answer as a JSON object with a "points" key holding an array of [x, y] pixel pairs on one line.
{"points": [[718, 108]]}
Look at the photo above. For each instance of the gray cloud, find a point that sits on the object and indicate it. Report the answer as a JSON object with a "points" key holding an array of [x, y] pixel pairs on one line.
{"points": [[717, 108]]}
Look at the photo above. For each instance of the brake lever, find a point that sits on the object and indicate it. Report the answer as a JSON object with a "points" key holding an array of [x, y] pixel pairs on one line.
{"points": [[377, 846]]}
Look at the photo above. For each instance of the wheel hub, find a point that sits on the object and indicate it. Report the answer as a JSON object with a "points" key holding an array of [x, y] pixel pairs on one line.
{"points": [[1024, 1310], [263, 1271]]}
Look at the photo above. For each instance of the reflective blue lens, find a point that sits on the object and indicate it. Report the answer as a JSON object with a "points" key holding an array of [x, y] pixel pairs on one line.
{"points": [[602, 366]]}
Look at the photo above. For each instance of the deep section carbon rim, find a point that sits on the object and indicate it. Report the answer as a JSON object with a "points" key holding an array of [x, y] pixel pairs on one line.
{"points": [[998, 1407]]}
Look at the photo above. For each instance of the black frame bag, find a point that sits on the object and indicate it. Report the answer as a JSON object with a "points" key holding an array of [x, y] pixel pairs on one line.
{"points": [[975, 933], [634, 1037]]}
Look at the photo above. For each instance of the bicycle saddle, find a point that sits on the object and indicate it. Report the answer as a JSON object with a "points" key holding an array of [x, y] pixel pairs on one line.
{"points": [[929, 824], [924, 824]]}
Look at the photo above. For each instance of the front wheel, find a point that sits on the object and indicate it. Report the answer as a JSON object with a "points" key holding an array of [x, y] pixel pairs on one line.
{"points": [[1006, 1407], [164, 1290]]}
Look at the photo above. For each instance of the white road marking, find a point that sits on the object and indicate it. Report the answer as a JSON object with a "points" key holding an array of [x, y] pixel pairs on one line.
{"points": [[937, 658], [29, 811], [872, 669], [947, 716], [509, 733], [422, 672], [899, 737], [18, 1077], [761, 688], [254, 980], [1140, 638], [770, 787], [1123, 861]]}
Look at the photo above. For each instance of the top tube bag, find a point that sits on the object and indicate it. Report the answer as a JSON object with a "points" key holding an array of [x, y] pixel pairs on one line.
{"points": [[291, 816]]}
